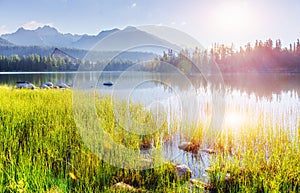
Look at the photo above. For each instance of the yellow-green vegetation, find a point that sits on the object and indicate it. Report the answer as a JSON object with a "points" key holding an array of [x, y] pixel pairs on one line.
{"points": [[257, 160], [41, 150], [138, 125]]}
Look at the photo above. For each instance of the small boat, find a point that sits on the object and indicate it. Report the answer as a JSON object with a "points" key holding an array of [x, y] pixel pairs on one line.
{"points": [[107, 83]]}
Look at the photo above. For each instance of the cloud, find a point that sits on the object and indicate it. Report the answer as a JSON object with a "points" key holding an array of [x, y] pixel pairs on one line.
{"points": [[31, 25], [133, 5]]}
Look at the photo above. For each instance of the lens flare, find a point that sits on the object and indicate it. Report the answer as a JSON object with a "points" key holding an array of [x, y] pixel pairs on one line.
{"points": [[234, 120]]}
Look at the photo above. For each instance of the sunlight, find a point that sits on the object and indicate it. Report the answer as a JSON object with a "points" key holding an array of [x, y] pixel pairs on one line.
{"points": [[232, 17], [234, 120]]}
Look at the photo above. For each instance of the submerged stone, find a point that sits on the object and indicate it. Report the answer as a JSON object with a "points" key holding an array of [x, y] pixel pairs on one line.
{"points": [[63, 85], [189, 147], [43, 86], [25, 84], [183, 172], [145, 145], [49, 84]]}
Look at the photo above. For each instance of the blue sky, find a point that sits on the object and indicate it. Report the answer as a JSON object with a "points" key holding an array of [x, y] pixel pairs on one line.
{"points": [[223, 21]]}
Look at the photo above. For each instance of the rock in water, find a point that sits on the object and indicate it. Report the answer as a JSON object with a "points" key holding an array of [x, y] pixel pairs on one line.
{"points": [[183, 172], [107, 83], [63, 85], [49, 84], [145, 145], [25, 84], [43, 86], [189, 147]]}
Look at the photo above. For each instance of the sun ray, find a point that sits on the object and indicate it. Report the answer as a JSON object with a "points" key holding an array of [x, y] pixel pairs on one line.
{"points": [[232, 17]]}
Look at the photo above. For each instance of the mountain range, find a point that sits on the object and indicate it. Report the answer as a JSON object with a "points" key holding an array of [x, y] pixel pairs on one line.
{"points": [[51, 37], [4, 42]]}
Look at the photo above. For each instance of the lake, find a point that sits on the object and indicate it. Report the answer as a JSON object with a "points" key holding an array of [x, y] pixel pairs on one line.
{"points": [[242, 99], [264, 84]]}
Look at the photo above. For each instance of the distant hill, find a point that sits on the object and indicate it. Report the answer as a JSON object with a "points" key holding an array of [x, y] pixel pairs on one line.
{"points": [[42, 36], [87, 41], [172, 35], [129, 43], [4, 42], [49, 36], [24, 37], [131, 37], [118, 39]]}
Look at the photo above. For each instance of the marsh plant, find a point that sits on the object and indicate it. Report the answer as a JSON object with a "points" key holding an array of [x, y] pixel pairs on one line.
{"points": [[42, 149]]}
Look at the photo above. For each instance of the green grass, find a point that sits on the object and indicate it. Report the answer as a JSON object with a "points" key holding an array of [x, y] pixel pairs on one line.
{"points": [[41, 150], [256, 161]]}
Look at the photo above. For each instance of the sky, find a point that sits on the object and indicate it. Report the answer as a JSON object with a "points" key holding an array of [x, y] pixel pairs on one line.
{"points": [[208, 21]]}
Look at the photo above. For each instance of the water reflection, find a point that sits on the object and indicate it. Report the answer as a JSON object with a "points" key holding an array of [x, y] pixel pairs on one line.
{"points": [[37, 78], [260, 84], [267, 117]]}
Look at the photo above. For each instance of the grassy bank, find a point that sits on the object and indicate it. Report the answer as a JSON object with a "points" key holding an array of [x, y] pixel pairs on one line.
{"points": [[41, 150]]}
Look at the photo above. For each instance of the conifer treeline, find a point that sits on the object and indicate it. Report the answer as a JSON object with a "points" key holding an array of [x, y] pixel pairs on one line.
{"points": [[262, 57], [36, 63]]}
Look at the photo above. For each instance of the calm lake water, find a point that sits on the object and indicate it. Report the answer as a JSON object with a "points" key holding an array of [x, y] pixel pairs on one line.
{"points": [[272, 97], [264, 84]]}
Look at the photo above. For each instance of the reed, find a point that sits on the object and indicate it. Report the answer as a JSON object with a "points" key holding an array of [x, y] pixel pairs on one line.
{"points": [[41, 149]]}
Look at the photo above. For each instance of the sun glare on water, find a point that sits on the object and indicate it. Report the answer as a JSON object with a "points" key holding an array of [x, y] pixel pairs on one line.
{"points": [[234, 121]]}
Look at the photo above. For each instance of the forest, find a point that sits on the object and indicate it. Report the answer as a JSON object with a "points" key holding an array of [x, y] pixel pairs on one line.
{"points": [[262, 57], [37, 63]]}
